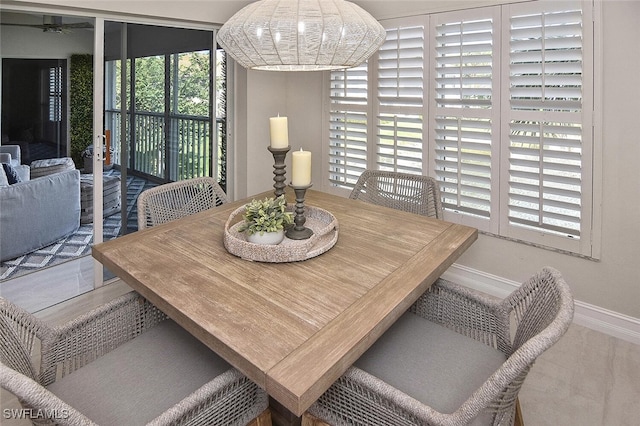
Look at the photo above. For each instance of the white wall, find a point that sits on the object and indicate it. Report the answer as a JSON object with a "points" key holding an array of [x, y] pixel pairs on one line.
{"points": [[297, 96], [43, 45]]}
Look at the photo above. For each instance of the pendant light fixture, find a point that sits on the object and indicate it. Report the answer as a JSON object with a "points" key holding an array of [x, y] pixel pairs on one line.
{"points": [[301, 35]]}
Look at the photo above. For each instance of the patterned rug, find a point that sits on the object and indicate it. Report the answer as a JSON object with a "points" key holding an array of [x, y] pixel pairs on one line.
{"points": [[79, 243]]}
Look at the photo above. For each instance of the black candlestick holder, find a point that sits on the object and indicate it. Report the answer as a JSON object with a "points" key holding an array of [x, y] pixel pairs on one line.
{"points": [[279, 172], [298, 231]]}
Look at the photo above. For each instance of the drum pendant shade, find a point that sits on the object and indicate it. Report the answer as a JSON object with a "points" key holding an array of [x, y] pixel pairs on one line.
{"points": [[301, 35]]}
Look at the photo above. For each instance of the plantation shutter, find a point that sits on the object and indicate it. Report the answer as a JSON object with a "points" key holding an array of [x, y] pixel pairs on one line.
{"points": [[348, 126], [55, 93], [547, 126], [465, 113], [400, 110]]}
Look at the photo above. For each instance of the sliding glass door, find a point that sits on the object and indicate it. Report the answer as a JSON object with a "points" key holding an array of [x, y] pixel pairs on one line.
{"points": [[132, 105], [42, 104], [164, 111]]}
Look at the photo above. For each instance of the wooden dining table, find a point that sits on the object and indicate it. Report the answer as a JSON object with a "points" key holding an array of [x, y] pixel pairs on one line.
{"points": [[292, 327]]}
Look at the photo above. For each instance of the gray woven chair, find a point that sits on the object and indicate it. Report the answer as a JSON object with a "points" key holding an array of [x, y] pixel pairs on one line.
{"points": [[401, 191], [451, 360], [174, 200], [124, 363]]}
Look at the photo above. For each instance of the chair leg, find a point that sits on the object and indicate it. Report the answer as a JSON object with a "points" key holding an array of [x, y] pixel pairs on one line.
{"points": [[309, 420], [264, 419], [518, 420]]}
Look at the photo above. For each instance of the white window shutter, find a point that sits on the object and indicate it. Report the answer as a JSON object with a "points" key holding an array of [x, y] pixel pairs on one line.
{"points": [[465, 109], [348, 125], [55, 93], [400, 109], [545, 126], [496, 103]]}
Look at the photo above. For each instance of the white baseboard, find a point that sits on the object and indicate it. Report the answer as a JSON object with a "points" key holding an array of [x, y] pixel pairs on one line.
{"points": [[587, 315]]}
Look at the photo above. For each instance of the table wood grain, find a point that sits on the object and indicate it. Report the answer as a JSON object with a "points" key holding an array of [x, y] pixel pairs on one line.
{"points": [[293, 328]]}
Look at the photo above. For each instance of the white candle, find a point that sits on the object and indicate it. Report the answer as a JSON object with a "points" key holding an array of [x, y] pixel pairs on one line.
{"points": [[301, 168], [279, 132]]}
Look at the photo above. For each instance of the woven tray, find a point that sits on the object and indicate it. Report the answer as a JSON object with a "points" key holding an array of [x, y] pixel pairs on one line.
{"points": [[325, 235]]}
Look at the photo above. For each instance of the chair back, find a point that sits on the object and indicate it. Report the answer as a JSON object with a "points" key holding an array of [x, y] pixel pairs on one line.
{"points": [[174, 200], [18, 330], [401, 191], [542, 310]]}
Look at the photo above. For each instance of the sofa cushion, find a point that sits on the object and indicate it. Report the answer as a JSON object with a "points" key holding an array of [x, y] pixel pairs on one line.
{"points": [[3, 178], [38, 213], [142, 378], [11, 174], [431, 363]]}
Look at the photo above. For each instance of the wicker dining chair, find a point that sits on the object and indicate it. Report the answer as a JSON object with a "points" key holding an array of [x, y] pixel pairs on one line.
{"points": [[174, 200], [452, 359], [402, 191], [123, 363]]}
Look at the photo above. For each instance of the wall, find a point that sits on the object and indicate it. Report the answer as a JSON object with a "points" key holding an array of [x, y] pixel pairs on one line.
{"points": [[297, 96], [43, 45], [266, 96], [201, 11]]}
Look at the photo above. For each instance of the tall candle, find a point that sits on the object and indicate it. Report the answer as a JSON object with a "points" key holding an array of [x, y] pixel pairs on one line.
{"points": [[301, 168], [279, 132]]}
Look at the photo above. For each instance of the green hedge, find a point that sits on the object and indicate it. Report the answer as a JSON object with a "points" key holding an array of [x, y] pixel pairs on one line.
{"points": [[80, 105]]}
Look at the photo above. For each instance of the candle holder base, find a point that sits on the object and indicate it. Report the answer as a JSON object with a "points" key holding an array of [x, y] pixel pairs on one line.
{"points": [[279, 155], [299, 234], [298, 231]]}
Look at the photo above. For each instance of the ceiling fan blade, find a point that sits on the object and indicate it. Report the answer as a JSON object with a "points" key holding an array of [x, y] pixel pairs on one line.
{"points": [[52, 27], [77, 25], [21, 25]]}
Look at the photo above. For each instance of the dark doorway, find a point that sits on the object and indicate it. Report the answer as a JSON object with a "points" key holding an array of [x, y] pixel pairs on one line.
{"points": [[34, 106]]}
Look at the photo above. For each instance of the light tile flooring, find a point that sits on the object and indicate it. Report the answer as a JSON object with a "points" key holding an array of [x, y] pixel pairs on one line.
{"points": [[586, 379], [49, 286]]}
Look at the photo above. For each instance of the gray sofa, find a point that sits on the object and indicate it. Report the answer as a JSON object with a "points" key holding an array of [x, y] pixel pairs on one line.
{"points": [[11, 154], [38, 212]]}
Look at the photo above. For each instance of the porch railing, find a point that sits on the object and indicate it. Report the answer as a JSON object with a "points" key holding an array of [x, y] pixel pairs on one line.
{"points": [[180, 151]]}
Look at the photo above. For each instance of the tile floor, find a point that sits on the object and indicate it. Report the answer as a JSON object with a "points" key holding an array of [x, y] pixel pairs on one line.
{"points": [[587, 379]]}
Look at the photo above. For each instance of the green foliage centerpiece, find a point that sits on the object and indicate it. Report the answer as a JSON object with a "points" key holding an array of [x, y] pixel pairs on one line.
{"points": [[265, 220]]}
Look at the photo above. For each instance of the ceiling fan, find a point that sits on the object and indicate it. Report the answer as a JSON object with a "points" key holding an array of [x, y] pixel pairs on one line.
{"points": [[53, 24]]}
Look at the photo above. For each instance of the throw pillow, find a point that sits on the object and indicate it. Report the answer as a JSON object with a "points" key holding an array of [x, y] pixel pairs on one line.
{"points": [[12, 174], [3, 178]]}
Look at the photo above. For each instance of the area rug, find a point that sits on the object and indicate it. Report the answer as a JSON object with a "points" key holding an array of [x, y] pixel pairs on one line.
{"points": [[79, 243]]}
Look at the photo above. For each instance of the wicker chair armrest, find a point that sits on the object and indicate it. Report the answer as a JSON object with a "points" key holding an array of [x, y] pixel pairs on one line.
{"points": [[207, 404], [26, 323], [468, 312], [89, 336], [44, 403], [20, 333]]}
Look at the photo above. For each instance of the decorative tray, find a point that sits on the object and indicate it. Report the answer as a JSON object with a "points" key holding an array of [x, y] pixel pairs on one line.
{"points": [[325, 234]]}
